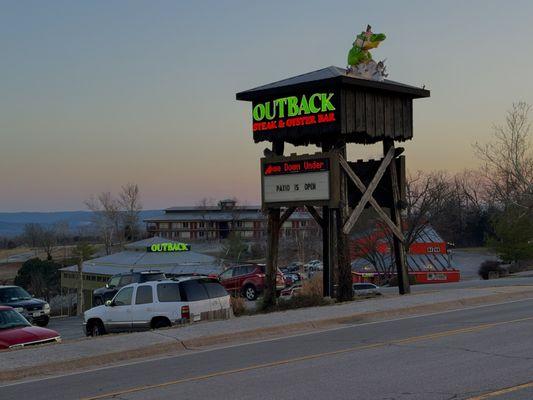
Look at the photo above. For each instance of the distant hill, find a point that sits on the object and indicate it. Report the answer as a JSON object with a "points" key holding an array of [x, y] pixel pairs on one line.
{"points": [[12, 224]]}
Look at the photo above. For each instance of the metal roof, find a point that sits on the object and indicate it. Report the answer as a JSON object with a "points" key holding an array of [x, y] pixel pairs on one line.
{"points": [[137, 257], [242, 215], [331, 73], [178, 269], [209, 209], [415, 262]]}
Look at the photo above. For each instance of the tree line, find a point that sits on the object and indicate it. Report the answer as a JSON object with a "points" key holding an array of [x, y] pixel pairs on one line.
{"points": [[489, 206]]}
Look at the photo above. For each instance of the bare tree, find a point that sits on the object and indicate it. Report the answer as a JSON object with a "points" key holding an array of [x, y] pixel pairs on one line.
{"points": [[426, 197], [106, 216], [508, 160], [131, 207], [31, 234], [48, 241], [374, 247]]}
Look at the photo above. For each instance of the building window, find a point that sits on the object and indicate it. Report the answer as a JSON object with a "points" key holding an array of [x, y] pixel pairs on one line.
{"points": [[201, 224], [302, 223], [163, 225], [185, 224], [201, 234]]}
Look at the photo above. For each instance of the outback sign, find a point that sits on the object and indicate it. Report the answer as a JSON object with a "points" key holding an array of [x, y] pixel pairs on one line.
{"points": [[292, 111], [169, 247], [298, 114]]}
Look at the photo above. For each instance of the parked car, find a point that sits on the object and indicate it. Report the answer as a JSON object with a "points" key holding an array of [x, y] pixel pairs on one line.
{"points": [[34, 310], [292, 278], [365, 289], [294, 266], [16, 331], [101, 295], [314, 265], [287, 293], [159, 304], [248, 280]]}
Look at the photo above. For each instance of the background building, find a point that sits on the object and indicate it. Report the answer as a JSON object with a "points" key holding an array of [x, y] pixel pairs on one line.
{"points": [[216, 222], [428, 259], [136, 256]]}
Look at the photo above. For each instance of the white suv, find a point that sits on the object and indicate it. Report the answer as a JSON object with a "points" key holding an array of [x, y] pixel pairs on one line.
{"points": [[158, 304]]}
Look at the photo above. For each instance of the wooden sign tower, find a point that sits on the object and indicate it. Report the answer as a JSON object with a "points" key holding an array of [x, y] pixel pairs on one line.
{"points": [[330, 108]]}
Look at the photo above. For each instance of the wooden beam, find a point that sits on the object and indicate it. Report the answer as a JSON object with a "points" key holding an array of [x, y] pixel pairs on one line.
{"points": [[286, 215], [369, 191], [273, 226], [316, 216], [399, 249], [382, 214]]}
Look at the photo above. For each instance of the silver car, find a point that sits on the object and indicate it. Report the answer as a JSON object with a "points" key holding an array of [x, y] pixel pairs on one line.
{"points": [[365, 289]]}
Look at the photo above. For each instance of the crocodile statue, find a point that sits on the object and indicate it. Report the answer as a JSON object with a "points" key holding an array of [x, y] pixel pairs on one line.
{"points": [[360, 60]]}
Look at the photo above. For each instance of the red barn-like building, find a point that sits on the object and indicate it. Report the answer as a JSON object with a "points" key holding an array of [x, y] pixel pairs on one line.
{"points": [[427, 259]]}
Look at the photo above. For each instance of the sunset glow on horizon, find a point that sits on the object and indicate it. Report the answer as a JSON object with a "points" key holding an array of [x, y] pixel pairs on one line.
{"points": [[97, 94]]}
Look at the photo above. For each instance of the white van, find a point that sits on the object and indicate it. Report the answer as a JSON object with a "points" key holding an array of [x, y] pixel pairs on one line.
{"points": [[158, 304]]}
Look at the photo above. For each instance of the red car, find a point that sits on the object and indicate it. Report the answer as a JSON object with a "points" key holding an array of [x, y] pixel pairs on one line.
{"points": [[248, 280], [17, 332]]}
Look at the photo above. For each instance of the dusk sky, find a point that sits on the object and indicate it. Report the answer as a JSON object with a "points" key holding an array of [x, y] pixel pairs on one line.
{"points": [[96, 94]]}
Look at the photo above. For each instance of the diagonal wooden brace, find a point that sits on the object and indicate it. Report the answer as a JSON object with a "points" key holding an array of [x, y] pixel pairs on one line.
{"points": [[318, 219], [367, 195], [286, 215]]}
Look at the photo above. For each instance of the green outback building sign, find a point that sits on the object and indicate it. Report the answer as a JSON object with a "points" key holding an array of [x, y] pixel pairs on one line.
{"points": [[169, 247], [294, 111]]}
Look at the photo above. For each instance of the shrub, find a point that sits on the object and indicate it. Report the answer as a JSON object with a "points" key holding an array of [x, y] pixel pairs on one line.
{"points": [[302, 300], [40, 277], [309, 296], [237, 305], [489, 266], [313, 286]]}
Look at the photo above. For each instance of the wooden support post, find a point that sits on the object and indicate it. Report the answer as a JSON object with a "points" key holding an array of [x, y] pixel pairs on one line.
{"points": [[273, 226], [398, 244], [344, 268], [326, 253]]}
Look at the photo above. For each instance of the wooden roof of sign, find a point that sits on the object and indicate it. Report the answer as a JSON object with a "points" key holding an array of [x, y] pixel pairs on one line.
{"points": [[328, 105]]}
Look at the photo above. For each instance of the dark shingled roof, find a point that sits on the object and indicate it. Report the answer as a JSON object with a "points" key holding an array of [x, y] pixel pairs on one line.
{"points": [[331, 73]]}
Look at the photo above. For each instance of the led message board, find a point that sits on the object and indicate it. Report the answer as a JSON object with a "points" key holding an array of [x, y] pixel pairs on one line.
{"points": [[299, 179]]}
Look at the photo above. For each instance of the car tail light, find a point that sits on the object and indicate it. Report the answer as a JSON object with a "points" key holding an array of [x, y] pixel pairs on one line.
{"points": [[185, 312], [261, 275]]}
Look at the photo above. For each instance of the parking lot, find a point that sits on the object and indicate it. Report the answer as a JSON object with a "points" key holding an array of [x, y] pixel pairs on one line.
{"points": [[68, 327]]}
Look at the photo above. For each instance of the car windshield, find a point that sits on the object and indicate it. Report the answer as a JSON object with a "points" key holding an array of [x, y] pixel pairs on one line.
{"points": [[11, 294], [11, 319], [113, 282], [152, 277]]}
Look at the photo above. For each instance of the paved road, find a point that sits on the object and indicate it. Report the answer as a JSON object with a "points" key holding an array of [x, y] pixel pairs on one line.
{"points": [[454, 355], [71, 327], [21, 257], [68, 327]]}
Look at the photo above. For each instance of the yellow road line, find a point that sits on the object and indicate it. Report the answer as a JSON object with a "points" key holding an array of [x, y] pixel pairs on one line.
{"points": [[311, 357], [502, 391]]}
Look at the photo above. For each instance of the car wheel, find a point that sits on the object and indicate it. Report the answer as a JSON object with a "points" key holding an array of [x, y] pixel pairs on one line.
{"points": [[96, 328], [160, 323], [250, 293], [42, 322]]}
